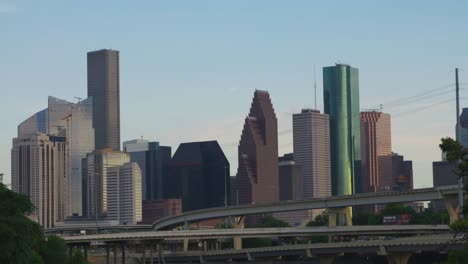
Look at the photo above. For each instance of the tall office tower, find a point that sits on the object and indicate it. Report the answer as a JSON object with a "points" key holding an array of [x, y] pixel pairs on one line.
{"points": [[464, 127], [153, 160], [376, 152], [257, 176], [402, 171], [104, 87], [124, 202], [311, 140], [341, 101], [99, 161], [199, 175], [80, 141], [37, 123], [39, 170], [157, 209], [443, 174]]}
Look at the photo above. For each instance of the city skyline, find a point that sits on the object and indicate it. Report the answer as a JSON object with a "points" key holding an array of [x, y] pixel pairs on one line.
{"points": [[226, 123]]}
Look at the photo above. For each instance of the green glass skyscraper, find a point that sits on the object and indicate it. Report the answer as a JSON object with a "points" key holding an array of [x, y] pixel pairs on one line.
{"points": [[341, 102]]}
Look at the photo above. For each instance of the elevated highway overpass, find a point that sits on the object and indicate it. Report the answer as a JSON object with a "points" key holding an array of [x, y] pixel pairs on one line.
{"points": [[259, 232], [396, 251], [331, 203]]}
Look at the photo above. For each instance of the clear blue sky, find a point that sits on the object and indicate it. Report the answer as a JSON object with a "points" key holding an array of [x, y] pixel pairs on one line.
{"points": [[189, 68]]}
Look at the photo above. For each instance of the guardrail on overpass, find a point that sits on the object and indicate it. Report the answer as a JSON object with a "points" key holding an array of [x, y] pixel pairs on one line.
{"points": [[426, 194]]}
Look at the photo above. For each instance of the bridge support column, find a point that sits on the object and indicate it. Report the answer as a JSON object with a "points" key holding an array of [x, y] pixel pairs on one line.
{"points": [[238, 224], [340, 217], [122, 248], [398, 258], [186, 244], [107, 254], [453, 212], [151, 253], [144, 253], [115, 254]]}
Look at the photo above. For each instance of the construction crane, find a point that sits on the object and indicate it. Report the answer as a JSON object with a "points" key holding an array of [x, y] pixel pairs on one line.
{"points": [[78, 98]]}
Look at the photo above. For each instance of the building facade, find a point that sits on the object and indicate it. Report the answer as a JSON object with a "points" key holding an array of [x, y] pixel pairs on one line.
{"points": [[257, 176], [104, 88], [464, 127], [80, 141], [443, 174], [311, 142], [98, 164], [341, 102], [37, 123], [124, 201], [376, 152], [402, 171], [199, 176], [39, 170], [153, 160], [157, 209], [290, 179]]}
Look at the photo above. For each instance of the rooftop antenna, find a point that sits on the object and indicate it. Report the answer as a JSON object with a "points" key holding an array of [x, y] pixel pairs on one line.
{"points": [[315, 88]]}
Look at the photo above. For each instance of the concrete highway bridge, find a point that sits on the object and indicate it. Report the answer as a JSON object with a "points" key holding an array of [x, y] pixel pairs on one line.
{"points": [[334, 204]]}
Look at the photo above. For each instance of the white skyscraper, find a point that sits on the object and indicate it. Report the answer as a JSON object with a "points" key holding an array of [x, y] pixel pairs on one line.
{"points": [[124, 200]]}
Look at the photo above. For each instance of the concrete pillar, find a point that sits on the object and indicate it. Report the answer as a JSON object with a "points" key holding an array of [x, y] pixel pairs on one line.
{"points": [[115, 254], [238, 224], [122, 247], [204, 246], [107, 254], [186, 244], [151, 253], [340, 216], [453, 212], [144, 253], [398, 258]]}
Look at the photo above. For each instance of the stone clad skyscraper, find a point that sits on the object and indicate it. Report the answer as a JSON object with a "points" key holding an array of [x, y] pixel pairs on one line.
{"points": [[104, 88], [311, 140], [376, 152], [341, 101], [257, 177]]}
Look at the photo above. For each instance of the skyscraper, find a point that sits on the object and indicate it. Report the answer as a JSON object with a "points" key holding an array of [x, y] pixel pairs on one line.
{"points": [[341, 101], [153, 160], [104, 87], [73, 121], [39, 170], [464, 127], [199, 175], [311, 140], [99, 162], [376, 152], [80, 141], [124, 202], [257, 176]]}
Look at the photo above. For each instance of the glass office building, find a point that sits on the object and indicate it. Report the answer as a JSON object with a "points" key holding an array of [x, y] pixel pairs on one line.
{"points": [[341, 101]]}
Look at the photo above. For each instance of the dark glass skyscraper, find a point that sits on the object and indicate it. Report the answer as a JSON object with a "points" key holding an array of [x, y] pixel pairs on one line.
{"points": [[104, 87], [341, 101], [199, 175]]}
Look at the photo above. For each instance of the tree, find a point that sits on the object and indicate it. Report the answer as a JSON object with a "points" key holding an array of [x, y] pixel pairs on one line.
{"points": [[270, 221], [55, 250], [319, 220], [78, 257], [21, 238]]}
